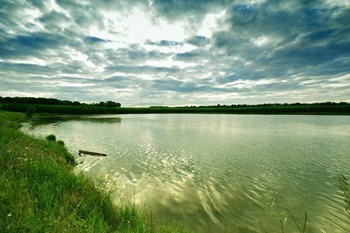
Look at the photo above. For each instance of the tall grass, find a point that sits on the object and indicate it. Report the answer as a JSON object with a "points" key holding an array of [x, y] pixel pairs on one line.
{"points": [[344, 186], [11, 120], [278, 211], [40, 192]]}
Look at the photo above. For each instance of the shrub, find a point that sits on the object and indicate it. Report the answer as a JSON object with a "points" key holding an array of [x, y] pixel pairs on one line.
{"points": [[51, 138], [60, 142]]}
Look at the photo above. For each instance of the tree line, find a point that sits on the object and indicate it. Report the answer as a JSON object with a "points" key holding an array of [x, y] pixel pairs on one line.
{"points": [[52, 101], [30, 106]]}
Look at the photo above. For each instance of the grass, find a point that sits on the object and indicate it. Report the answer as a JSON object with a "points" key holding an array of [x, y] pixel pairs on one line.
{"points": [[41, 193], [344, 186], [11, 120], [279, 212]]}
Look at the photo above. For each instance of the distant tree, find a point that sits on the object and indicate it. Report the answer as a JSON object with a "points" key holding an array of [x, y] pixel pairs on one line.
{"points": [[109, 104], [51, 101]]}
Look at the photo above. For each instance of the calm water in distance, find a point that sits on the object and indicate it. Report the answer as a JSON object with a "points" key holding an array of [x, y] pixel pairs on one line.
{"points": [[217, 173]]}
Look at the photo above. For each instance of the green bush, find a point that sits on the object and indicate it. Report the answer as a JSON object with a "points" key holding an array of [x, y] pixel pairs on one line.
{"points": [[344, 186], [60, 142], [51, 138]]}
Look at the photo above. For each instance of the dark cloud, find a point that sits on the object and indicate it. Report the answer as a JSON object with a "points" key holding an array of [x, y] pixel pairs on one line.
{"points": [[121, 82], [133, 55], [305, 38], [10, 13], [174, 9], [53, 20], [199, 41], [178, 86], [83, 15], [24, 68], [35, 41], [92, 39], [188, 56], [163, 43], [34, 44]]}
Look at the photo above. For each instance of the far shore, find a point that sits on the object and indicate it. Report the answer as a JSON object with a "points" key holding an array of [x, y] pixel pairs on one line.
{"points": [[328, 108]]}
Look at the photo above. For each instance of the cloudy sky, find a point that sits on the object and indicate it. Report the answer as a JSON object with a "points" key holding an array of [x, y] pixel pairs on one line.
{"points": [[176, 52]]}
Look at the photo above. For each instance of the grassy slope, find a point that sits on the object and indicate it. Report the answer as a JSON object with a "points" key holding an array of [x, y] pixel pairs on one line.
{"points": [[40, 192]]}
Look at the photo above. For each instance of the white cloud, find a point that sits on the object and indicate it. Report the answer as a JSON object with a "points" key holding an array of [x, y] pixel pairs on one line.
{"points": [[29, 60], [211, 23], [342, 3], [137, 26], [261, 41], [239, 84]]}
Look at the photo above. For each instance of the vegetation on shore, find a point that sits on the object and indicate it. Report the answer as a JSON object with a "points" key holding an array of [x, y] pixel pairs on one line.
{"points": [[344, 186], [41, 193], [31, 106]]}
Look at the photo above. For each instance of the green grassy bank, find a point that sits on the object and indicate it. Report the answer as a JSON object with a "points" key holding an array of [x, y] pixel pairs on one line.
{"points": [[39, 192]]}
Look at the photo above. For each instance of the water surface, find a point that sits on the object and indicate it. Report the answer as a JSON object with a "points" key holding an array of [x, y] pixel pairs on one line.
{"points": [[217, 173]]}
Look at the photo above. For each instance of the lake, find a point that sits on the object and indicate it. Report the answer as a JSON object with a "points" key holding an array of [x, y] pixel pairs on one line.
{"points": [[217, 172]]}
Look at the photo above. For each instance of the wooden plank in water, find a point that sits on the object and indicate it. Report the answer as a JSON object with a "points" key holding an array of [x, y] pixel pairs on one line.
{"points": [[90, 153]]}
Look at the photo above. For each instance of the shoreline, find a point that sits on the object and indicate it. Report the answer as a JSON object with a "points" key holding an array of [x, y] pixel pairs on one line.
{"points": [[262, 109], [41, 192]]}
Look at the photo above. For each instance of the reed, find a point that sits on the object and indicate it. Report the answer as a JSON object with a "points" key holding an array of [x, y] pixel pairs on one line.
{"points": [[278, 211], [344, 186]]}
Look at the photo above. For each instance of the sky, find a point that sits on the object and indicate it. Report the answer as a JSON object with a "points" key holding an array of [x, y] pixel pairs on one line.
{"points": [[176, 52]]}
